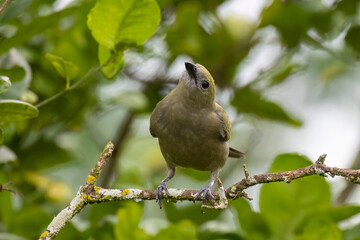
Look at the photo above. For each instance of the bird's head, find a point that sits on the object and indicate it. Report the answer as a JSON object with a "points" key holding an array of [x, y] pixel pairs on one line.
{"points": [[199, 83]]}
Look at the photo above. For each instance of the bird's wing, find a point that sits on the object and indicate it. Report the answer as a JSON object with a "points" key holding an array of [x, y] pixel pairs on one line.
{"points": [[225, 124], [152, 123]]}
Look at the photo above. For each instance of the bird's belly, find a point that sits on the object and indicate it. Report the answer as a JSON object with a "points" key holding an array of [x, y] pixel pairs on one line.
{"points": [[198, 150]]}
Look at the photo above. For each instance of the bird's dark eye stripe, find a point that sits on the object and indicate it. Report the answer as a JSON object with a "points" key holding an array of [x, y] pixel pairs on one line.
{"points": [[205, 84]]}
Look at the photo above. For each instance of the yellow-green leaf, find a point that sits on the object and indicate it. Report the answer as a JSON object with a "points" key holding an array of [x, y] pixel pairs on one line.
{"points": [[112, 61], [123, 21], [128, 226], [14, 110], [4, 83], [66, 69]]}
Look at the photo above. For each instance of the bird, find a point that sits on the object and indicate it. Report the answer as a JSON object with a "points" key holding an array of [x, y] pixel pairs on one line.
{"points": [[192, 129]]}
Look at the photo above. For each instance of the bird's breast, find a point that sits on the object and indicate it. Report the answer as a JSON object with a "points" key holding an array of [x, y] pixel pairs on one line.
{"points": [[190, 138]]}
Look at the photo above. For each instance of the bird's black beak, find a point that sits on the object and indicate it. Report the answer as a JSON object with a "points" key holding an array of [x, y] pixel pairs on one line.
{"points": [[191, 69]]}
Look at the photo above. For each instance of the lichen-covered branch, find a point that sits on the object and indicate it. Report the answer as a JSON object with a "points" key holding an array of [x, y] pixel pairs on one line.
{"points": [[81, 199], [89, 193]]}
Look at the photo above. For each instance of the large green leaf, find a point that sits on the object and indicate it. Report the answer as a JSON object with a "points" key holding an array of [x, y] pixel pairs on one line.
{"points": [[123, 21], [336, 214], [285, 205], [178, 231], [112, 61], [320, 228], [251, 222], [66, 69], [37, 26], [4, 83], [250, 101], [128, 221], [14, 110]]}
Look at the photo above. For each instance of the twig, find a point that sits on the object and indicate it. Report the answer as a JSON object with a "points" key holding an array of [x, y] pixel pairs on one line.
{"points": [[3, 6], [3, 187], [72, 87], [89, 193], [349, 188]]}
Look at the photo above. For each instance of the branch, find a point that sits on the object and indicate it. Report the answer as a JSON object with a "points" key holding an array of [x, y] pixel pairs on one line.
{"points": [[89, 193]]}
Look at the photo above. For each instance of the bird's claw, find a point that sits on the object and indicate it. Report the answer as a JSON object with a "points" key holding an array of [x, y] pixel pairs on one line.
{"points": [[162, 187], [206, 191]]}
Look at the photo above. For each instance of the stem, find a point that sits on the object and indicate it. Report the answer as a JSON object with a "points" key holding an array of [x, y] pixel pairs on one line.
{"points": [[72, 87], [3, 6]]}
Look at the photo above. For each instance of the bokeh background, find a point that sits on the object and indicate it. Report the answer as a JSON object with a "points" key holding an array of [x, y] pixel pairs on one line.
{"points": [[287, 73]]}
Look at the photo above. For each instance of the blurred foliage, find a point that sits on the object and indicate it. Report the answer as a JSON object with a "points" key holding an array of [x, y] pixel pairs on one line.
{"points": [[51, 130]]}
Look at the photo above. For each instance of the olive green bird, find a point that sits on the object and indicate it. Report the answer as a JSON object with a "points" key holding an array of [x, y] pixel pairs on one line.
{"points": [[193, 130]]}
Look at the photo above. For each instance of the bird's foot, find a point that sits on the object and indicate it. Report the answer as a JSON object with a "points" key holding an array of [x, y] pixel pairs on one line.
{"points": [[159, 190], [206, 192]]}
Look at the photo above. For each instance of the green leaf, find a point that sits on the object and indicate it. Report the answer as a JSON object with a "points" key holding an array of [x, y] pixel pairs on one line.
{"points": [[250, 101], [320, 228], [66, 69], [15, 73], [283, 73], [123, 21], [352, 233], [113, 61], [128, 221], [4, 83], [179, 231], [284, 205], [251, 222], [336, 214], [14, 110], [353, 38], [37, 26]]}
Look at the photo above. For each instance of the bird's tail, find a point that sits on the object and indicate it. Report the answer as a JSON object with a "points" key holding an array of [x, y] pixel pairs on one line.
{"points": [[235, 153]]}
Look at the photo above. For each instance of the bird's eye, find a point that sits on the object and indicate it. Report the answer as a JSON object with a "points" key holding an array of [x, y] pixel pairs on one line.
{"points": [[205, 84]]}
